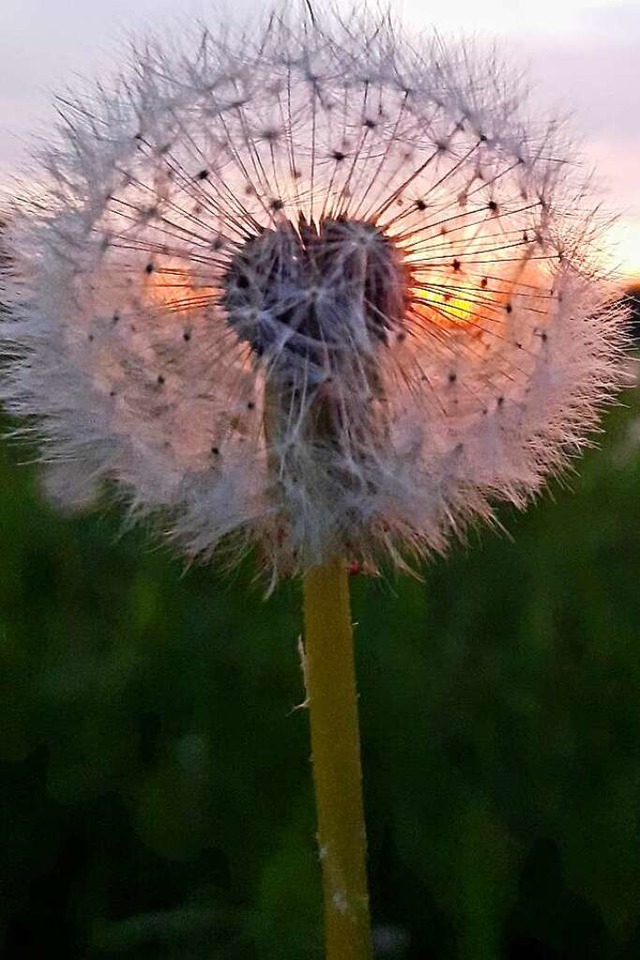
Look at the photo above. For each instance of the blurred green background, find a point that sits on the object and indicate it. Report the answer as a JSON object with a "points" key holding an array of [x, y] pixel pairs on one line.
{"points": [[155, 796]]}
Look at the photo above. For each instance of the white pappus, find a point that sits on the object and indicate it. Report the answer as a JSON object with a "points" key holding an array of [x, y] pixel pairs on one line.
{"points": [[318, 290]]}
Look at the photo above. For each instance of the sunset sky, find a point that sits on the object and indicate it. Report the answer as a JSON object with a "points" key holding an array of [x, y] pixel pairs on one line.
{"points": [[582, 58]]}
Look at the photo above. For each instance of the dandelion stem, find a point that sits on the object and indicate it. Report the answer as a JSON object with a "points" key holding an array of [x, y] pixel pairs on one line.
{"points": [[335, 744]]}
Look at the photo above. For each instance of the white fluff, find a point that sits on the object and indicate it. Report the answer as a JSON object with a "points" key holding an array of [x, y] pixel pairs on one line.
{"points": [[119, 346]]}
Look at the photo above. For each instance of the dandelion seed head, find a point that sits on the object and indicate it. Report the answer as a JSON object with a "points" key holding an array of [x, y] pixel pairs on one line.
{"points": [[319, 290]]}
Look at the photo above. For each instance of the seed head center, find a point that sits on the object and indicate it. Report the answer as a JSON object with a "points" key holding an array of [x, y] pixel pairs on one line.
{"points": [[303, 293]]}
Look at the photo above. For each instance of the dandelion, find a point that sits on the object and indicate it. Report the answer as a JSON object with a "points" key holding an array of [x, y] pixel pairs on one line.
{"points": [[320, 292]]}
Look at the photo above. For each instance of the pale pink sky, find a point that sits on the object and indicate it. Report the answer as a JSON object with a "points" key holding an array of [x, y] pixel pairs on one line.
{"points": [[583, 58]]}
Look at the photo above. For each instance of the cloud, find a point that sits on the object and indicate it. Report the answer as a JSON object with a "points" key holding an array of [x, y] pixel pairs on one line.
{"points": [[48, 46], [582, 60], [592, 72]]}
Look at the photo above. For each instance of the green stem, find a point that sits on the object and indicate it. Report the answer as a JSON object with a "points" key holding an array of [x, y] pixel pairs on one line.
{"points": [[335, 745]]}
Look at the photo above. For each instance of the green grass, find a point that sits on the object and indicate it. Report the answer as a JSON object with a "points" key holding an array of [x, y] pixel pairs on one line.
{"points": [[155, 791]]}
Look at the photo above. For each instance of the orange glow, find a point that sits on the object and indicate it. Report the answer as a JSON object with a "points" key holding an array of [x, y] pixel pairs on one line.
{"points": [[175, 286], [462, 297], [450, 308]]}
